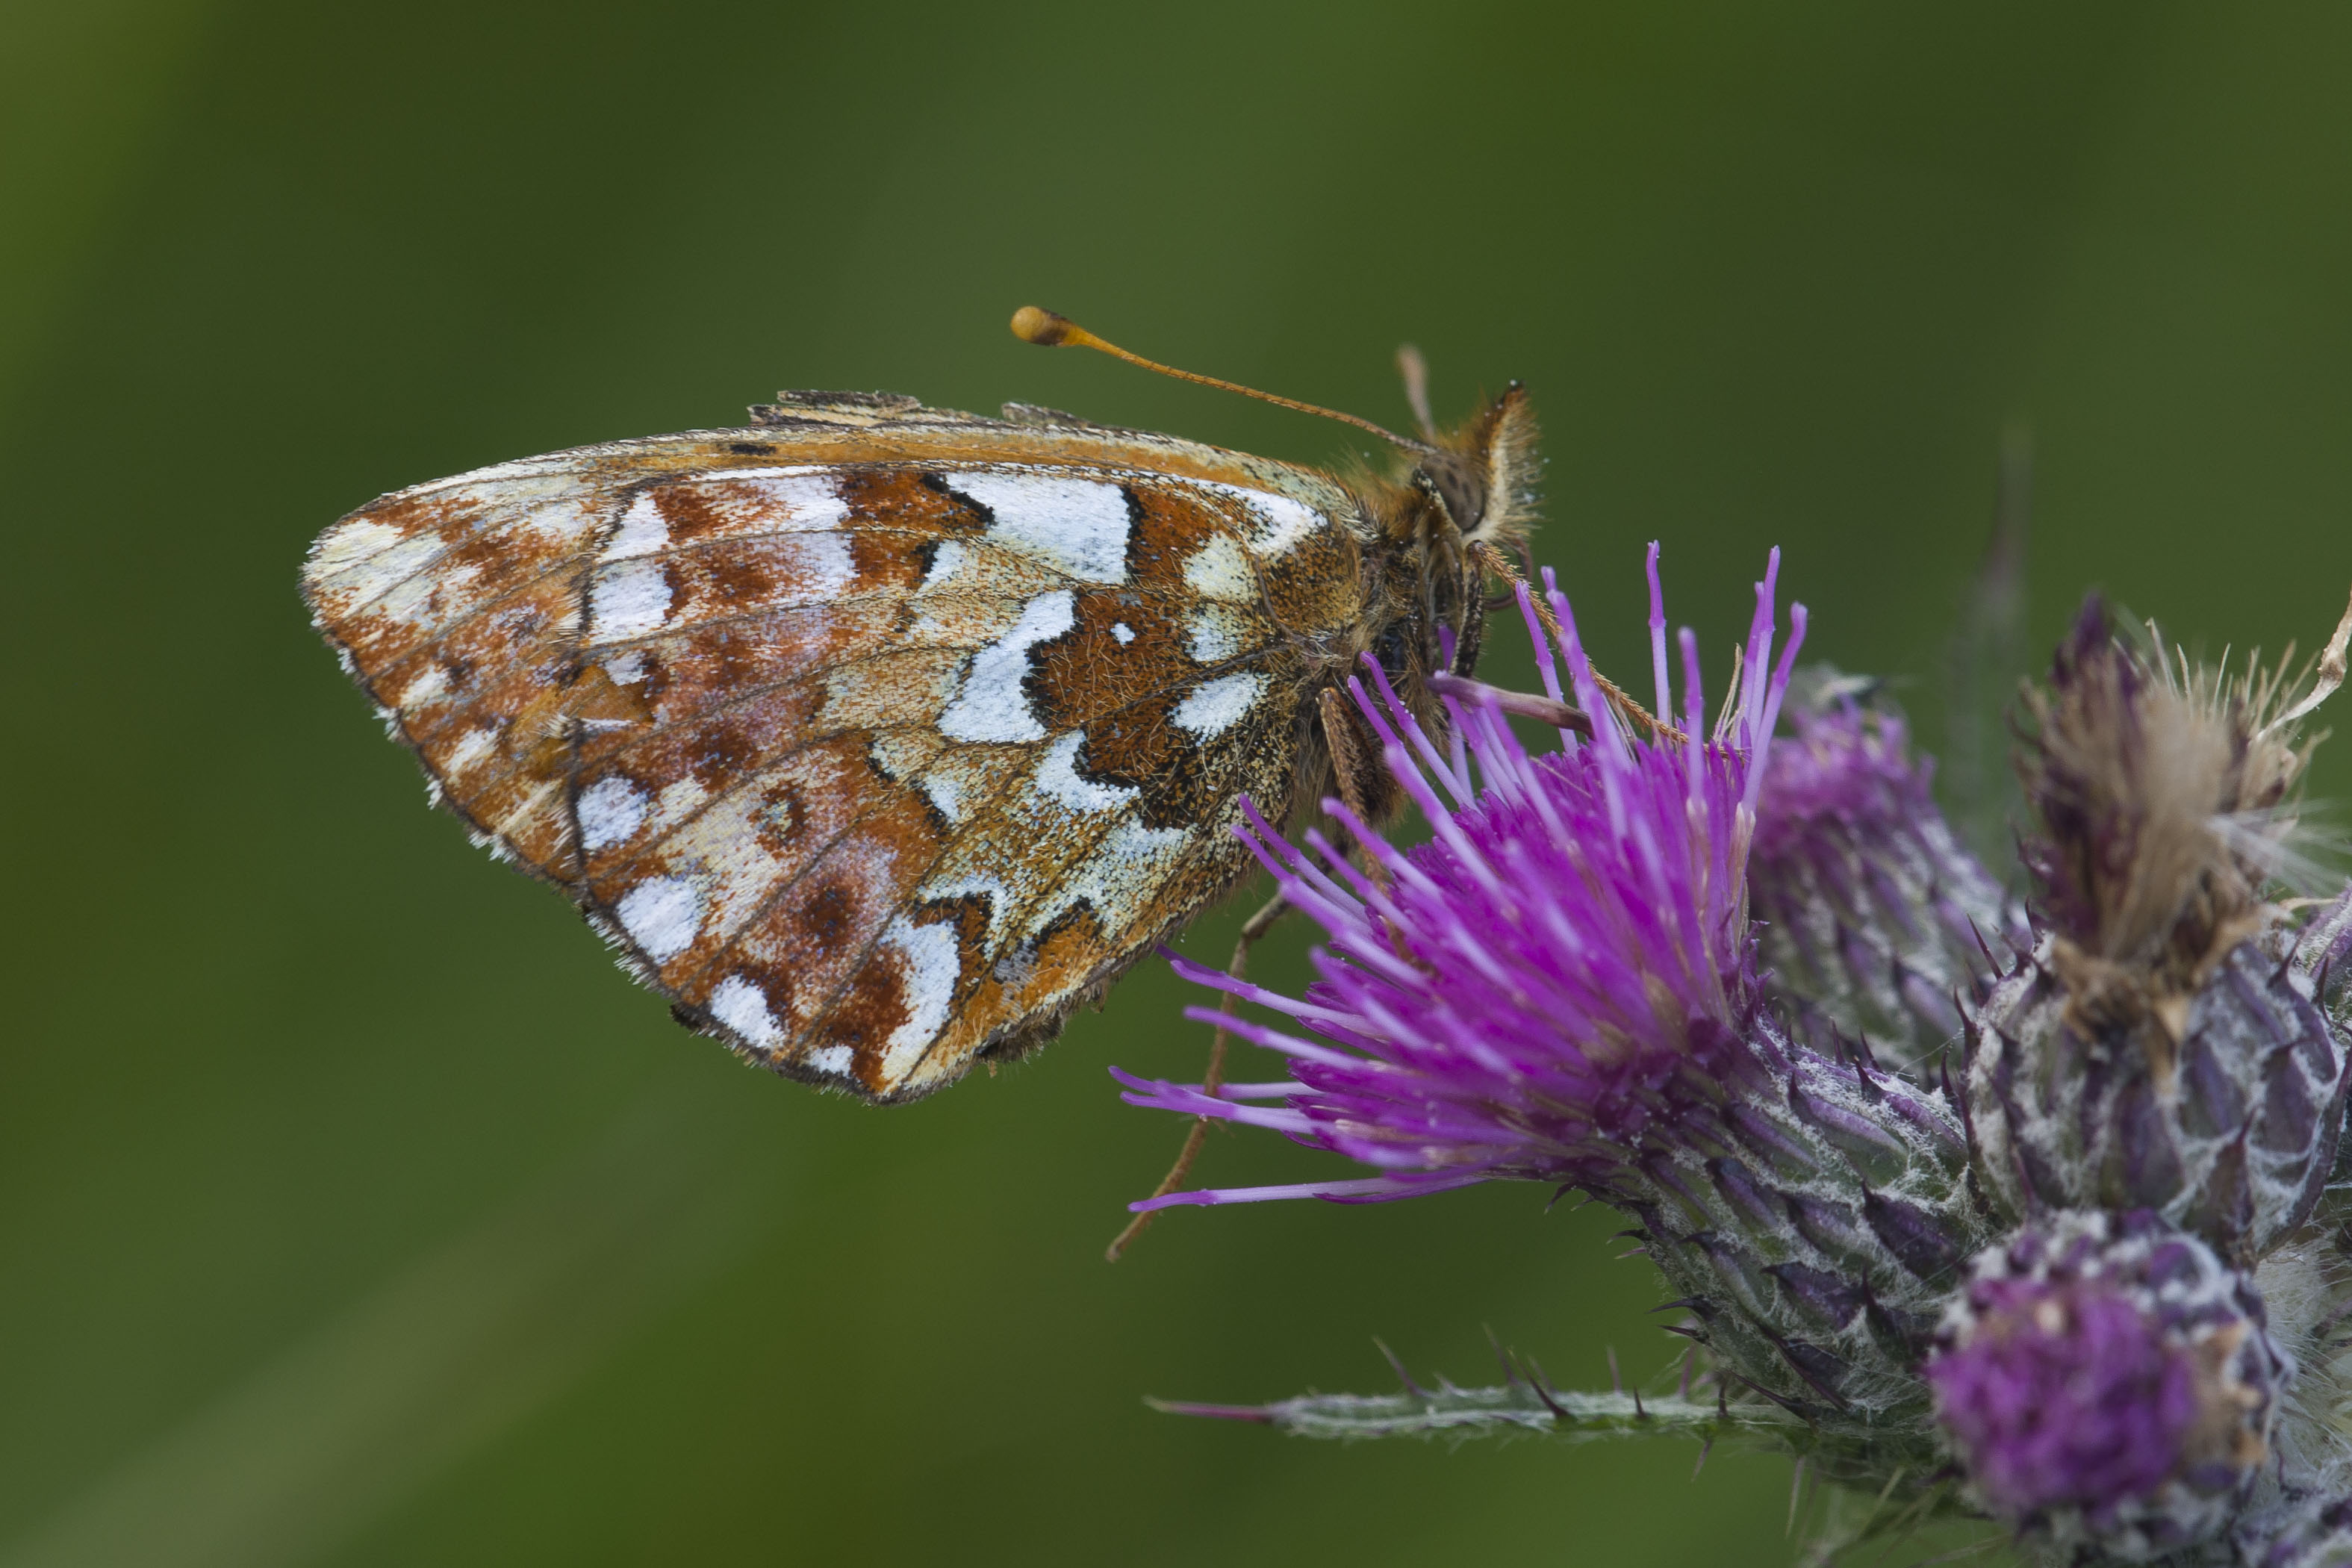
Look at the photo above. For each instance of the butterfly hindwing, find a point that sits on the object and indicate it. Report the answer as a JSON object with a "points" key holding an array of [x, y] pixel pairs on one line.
{"points": [[877, 738]]}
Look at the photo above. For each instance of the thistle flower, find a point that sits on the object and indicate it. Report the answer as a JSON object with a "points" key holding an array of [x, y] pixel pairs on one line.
{"points": [[1562, 986], [2107, 1381], [1874, 918], [1564, 973], [2162, 1047]]}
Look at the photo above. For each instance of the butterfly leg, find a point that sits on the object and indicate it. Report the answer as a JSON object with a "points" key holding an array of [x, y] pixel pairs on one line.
{"points": [[1253, 929], [1355, 772], [1349, 761]]}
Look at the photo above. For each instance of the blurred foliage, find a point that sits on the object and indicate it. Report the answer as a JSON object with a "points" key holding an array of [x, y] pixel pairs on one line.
{"points": [[356, 1210]]}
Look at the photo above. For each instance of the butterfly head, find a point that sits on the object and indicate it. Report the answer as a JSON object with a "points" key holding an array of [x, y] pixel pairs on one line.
{"points": [[1475, 484], [1450, 499]]}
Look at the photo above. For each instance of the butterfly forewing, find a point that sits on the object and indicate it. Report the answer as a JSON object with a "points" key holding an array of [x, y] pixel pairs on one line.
{"points": [[877, 738]]}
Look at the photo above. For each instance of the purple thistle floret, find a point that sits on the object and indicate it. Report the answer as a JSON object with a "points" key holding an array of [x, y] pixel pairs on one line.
{"points": [[2066, 1394], [1563, 971], [1848, 774], [2107, 1377]]}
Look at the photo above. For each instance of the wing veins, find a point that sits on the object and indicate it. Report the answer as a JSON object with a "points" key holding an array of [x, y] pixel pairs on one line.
{"points": [[1020, 913], [808, 741], [374, 681], [608, 488], [768, 902]]}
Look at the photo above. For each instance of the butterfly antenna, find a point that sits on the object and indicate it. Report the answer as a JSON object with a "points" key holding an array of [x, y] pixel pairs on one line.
{"points": [[1047, 330]]}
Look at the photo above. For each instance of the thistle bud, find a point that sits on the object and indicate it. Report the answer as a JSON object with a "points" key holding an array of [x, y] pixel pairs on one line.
{"points": [[2162, 1047], [1872, 917], [2108, 1383]]}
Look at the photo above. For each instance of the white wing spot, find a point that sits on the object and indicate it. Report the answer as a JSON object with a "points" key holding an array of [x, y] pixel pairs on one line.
{"points": [[829, 566], [1078, 525], [642, 530], [945, 563], [661, 915], [979, 884], [561, 521], [1213, 635], [990, 706], [347, 544], [794, 499], [927, 970], [1219, 569], [629, 600], [430, 594], [1215, 705], [367, 560], [1058, 780], [611, 812], [472, 748], [1120, 878], [834, 1059], [432, 682], [742, 1006], [682, 796], [627, 669], [1280, 522], [945, 795], [1123, 632]]}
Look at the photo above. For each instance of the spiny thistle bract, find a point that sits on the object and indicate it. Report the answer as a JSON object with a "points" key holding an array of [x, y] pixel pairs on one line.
{"points": [[1984, 1206]]}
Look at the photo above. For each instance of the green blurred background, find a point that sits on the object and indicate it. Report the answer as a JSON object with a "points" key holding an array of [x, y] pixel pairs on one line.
{"points": [[355, 1209]]}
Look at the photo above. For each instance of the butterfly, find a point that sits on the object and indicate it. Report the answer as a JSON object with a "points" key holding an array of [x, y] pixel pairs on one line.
{"points": [[876, 737]]}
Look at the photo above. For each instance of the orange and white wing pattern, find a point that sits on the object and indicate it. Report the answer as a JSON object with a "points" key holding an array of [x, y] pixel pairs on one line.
{"points": [[876, 737]]}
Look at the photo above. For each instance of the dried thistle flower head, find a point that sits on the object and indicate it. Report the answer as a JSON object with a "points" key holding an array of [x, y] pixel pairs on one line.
{"points": [[2164, 794], [2159, 1049]]}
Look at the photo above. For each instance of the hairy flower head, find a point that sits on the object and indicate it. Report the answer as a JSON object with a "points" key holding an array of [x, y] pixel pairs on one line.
{"points": [[2164, 796]]}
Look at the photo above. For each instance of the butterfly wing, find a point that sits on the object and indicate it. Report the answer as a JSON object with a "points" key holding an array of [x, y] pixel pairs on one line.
{"points": [[876, 737]]}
